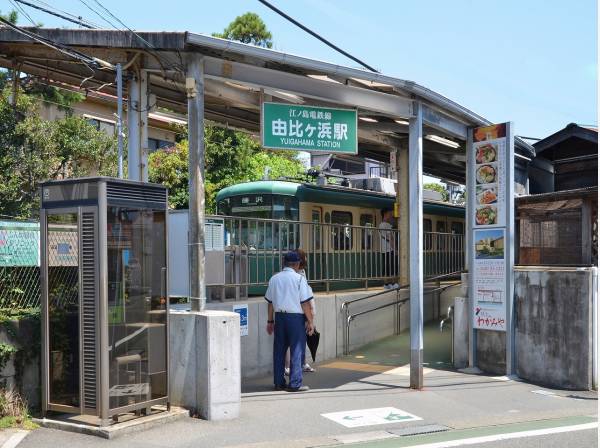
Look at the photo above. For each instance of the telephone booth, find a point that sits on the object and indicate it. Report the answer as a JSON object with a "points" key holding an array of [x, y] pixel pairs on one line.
{"points": [[104, 297]]}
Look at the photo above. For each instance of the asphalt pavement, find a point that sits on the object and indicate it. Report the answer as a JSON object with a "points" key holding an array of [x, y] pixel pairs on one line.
{"points": [[365, 398]]}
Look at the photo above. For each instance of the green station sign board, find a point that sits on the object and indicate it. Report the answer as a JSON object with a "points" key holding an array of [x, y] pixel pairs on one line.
{"points": [[308, 128]]}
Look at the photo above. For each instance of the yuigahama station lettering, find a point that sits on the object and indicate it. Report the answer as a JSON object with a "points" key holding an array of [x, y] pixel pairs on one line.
{"points": [[307, 128]]}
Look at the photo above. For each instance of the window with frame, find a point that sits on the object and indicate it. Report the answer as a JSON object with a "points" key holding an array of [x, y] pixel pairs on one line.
{"points": [[367, 220], [341, 230], [457, 228], [427, 236]]}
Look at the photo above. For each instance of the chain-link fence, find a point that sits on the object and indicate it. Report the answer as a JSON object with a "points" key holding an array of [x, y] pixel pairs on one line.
{"points": [[19, 264]]}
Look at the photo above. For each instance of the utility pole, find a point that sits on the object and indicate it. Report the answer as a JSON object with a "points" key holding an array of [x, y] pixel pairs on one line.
{"points": [[194, 83]]}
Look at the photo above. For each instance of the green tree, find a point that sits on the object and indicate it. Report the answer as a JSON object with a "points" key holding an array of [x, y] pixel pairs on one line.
{"points": [[248, 28], [231, 157], [439, 188], [34, 150], [12, 16]]}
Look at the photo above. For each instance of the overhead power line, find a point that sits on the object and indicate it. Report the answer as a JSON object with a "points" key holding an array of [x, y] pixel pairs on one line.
{"points": [[78, 22], [314, 34], [86, 60]]}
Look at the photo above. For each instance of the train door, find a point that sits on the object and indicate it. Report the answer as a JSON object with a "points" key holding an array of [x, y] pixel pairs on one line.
{"points": [[315, 241]]}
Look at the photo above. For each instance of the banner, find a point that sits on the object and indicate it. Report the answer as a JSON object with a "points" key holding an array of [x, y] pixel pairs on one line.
{"points": [[490, 155], [308, 128]]}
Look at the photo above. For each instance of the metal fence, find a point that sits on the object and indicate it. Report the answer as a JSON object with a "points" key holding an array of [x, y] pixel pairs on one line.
{"points": [[351, 256], [336, 252]]}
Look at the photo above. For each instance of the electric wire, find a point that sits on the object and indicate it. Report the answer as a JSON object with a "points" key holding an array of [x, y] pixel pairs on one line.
{"points": [[86, 60], [78, 22], [48, 6], [18, 7], [314, 34]]}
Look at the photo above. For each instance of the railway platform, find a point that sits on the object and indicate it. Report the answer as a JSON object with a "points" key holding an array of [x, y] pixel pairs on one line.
{"points": [[453, 405]]}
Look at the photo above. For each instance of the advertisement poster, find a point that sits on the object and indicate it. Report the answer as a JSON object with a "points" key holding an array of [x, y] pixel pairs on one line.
{"points": [[489, 148], [489, 218], [242, 310], [489, 272]]}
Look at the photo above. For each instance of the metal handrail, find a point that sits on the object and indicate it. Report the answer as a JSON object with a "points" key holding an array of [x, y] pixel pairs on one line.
{"points": [[350, 317]]}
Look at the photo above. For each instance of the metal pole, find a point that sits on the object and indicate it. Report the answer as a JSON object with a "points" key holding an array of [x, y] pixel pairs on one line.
{"points": [[120, 118], [415, 162], [133, 136], [510, 250], [195, 93], [469, 253]]}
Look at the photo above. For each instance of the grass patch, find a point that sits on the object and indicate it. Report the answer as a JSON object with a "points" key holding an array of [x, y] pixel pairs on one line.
{"points": [[17, 422]]}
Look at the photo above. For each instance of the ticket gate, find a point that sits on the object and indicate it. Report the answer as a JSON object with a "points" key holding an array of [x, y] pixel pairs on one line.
{"points": [[104, 297]]}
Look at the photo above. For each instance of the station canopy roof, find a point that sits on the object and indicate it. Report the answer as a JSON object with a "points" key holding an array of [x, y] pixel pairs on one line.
{"points": [[238, 75]]}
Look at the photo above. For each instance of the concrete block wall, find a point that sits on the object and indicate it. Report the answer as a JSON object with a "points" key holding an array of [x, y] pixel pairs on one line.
{"points": [[257, 346], [554, 331]]}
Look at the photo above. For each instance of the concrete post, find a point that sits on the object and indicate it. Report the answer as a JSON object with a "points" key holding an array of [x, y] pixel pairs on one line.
{"points": [[415, 156], [137, 127], [133, 135], [403, 213], [195, 92], [205, 365]]}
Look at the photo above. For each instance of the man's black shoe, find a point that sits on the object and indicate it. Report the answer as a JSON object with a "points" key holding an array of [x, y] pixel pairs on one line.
{"points": [[280, 387], [298, 389]]}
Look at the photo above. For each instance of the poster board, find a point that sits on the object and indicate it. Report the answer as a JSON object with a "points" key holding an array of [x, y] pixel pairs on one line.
{"points": [[490, 225]]}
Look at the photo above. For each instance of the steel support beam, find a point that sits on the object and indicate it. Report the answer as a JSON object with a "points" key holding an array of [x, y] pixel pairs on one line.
{"points": [[304, 86], [195, 93], [444, 123], [469, 252], [510, 250], [415, 164]]}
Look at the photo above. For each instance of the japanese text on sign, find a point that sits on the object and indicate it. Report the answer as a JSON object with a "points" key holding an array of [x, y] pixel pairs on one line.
{"points": [[308, 128]]}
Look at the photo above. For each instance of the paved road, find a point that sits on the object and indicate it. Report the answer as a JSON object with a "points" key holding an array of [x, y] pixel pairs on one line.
{"points": [[373, 377]]}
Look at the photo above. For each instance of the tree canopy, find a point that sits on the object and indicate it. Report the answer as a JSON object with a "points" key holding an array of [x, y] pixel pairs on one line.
{"points": [[248, 28], [231, 157], [35, 150]]}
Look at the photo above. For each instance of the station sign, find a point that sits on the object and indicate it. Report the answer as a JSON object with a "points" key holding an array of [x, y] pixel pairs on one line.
{"points": [[490, 223], [309, 128]]}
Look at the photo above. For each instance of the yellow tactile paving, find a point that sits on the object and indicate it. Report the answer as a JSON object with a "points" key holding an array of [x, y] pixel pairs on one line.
{"points": [[373, 368]]}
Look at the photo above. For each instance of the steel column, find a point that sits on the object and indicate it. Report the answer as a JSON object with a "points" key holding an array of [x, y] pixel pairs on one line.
{"points": [[415, 187], [509, 249], [469, 253], [195, 92], [403, 214]]}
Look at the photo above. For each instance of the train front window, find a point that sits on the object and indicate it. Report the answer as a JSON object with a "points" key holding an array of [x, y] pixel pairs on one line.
{"points": [[255, 233]]}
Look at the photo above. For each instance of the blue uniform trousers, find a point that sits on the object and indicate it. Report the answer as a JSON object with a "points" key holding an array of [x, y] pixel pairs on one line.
{"points": [[289, 332]]}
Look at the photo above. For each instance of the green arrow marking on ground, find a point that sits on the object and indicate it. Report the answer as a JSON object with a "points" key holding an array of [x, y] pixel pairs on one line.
{"points": [[348, 417], [394, 417]]}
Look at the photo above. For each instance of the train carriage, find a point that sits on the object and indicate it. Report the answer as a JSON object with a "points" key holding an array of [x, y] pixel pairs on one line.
{"points": [[338, 228]]}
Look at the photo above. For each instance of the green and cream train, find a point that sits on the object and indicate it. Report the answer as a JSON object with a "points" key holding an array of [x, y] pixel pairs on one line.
{"points": [[337, 226]]}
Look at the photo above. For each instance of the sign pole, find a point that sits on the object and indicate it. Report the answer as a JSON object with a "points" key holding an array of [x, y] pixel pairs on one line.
{"points": [[469, 250], [510, 250], [415, 188]]}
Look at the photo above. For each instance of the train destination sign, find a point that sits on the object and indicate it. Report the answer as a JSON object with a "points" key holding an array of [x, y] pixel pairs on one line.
{"points": [[308, 128]]}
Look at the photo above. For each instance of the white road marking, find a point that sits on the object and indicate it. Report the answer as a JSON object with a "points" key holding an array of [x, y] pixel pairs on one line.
{"points": [[15, 439], [369, 417], [508, 436]]}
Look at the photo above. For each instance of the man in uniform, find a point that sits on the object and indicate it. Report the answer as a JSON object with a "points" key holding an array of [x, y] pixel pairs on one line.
{"points": [[290, 318]]}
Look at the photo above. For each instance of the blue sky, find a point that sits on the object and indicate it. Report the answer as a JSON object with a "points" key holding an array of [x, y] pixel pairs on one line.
{"points": [[533, 62]]}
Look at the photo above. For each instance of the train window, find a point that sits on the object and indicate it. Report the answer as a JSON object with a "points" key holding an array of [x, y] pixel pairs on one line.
{"points": [[316, 230], [341, 232], [367, 220], [285, 207], [427, 236], [458, 228], [440, 228]]}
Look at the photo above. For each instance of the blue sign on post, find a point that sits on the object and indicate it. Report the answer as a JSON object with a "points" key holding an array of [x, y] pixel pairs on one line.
{"points": [[242, 310]]}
